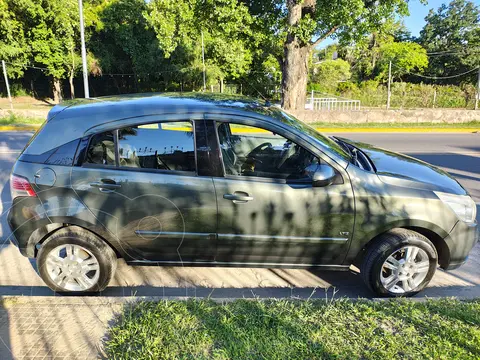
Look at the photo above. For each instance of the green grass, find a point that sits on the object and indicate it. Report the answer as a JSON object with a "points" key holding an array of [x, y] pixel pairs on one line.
{"points": [[470, 124], [287, 329], [17, 120]]}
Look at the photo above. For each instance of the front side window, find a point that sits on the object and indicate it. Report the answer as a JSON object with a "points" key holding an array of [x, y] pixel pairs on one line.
{"points": [[161, 146], [251, 151]]}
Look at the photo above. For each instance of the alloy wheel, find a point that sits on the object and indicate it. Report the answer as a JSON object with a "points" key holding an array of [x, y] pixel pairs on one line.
{"points": [[405, 269], [72, 267]]}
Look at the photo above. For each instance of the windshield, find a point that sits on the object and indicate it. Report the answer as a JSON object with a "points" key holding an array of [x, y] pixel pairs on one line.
{"points": [[325, 140]]}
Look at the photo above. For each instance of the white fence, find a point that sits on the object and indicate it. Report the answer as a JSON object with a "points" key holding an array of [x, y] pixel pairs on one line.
{"points": [[331, 104]]}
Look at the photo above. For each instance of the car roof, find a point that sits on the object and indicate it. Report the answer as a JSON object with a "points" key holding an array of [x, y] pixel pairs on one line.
{"points": [[74, 119], [96, 111]]}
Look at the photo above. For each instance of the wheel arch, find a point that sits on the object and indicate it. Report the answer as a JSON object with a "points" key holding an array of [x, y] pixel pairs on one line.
{"points": [[431, 232], [43, 233]]}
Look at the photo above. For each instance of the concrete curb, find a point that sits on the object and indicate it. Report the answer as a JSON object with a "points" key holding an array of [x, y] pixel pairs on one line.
{"points": [[11, 300]]}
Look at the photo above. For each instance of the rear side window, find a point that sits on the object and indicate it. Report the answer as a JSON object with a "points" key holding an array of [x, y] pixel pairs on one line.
{"points": [[160, 146], [101, 150]]}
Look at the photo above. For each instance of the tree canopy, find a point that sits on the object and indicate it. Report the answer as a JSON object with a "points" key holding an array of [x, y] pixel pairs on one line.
{"points": [[266, 47], [452, 37]]}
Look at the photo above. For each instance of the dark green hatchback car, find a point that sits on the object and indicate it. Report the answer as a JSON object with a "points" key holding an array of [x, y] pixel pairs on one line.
{"points": [[185, 180]]}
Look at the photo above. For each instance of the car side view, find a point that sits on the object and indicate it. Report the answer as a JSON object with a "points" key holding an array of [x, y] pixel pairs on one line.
{"points": [[198, 181]]}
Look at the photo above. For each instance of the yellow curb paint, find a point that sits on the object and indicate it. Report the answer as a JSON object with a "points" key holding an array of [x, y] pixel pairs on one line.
{"points": [[399, 130], [19, 127], [35, 127]]}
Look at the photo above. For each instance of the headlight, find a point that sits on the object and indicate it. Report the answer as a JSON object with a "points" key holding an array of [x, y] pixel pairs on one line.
{"points": [[462, 205]]}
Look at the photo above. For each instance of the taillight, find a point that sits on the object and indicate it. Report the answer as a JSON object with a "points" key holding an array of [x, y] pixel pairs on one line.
{"points": [[19, 186]]}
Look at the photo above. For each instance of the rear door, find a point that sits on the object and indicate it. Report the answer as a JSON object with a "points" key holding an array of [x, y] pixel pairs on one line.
{"points": [[141, 183], [268, 211]]}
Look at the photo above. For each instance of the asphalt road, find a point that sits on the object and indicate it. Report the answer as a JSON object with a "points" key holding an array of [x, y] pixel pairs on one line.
{"points": [[459, 154]]}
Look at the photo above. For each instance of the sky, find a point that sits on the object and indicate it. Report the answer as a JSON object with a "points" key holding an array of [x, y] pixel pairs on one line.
{"points": [[418, 11], [416, 20]]}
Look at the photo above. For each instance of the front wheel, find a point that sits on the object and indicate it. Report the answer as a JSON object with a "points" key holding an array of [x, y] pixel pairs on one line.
{"points": [[400, 263], [73, 260]]}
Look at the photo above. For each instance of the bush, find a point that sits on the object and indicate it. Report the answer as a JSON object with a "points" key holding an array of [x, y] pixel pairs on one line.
{"points": [[17, 90], [408, 96]]}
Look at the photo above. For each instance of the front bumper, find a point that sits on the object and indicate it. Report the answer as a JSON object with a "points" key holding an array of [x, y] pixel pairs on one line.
{"points": [[460, 242]]}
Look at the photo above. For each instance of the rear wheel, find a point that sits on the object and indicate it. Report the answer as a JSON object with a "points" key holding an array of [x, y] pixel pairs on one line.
{"points": [[73, 260], [400, 263]]}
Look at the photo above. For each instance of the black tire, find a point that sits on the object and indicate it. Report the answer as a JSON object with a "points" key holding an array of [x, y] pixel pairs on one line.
{"points": [[75, 235], [386, 245]]}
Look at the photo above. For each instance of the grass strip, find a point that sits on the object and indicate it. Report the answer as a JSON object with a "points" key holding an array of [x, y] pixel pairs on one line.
{"points": [[16, 120], [289, 329]]}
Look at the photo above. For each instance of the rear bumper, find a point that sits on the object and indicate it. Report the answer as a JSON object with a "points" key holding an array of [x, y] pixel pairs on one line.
{"points": [[23, 250], [25, 217], [460, 242]]}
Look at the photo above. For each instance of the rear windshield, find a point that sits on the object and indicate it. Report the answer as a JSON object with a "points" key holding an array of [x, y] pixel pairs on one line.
{"points": [[25, 149]]}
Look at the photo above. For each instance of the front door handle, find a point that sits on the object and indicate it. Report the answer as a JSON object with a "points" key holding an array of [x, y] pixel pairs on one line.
{"points": [[238, 197], [105, 185]]}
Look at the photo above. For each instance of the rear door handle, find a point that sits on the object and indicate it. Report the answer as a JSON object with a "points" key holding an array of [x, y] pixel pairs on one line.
{"points": [[105, 185], [238, 197]]}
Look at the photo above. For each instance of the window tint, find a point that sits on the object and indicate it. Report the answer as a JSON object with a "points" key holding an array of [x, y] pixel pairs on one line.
{"points": [[250, 151], [163, 146], [64, 154], [101, 149]]}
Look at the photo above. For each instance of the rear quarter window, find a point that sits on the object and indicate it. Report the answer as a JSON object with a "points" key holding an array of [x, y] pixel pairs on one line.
{"points": [[62, 155]]}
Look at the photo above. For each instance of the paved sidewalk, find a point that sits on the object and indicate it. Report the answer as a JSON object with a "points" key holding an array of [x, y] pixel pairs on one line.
{"points": [[43, 325], [54, 328]]}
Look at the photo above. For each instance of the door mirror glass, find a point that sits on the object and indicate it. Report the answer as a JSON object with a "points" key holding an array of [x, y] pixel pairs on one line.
{"points": [[323, 176]]}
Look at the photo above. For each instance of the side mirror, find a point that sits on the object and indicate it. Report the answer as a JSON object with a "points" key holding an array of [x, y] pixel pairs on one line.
{"points": [[323, 176]]}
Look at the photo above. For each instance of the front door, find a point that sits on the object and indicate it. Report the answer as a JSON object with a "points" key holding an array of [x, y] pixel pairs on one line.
{"points": [[141, 183], [268, 211]]}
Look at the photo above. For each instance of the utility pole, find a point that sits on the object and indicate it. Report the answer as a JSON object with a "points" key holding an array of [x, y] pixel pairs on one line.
{"points": [[477, 98], [7, 85], [203, 61], [84, 52], [389, 81]]}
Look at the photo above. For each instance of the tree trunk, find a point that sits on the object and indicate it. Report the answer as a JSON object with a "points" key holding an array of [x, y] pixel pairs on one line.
{"points": [[295, 62], [57, 90], [70, 79], [294, 76], [221, 86], [72, 88]]}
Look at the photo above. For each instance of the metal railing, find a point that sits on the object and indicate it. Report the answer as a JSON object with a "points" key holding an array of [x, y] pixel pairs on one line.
{"points": [[331, 104]]}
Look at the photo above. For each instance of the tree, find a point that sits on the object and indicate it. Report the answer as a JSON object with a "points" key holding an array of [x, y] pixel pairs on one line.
{"points": [[452, 37], [329, 73], [305, 24], [405, 57], [13, 44], [53, 37], [178, 25], [365, 53], [121, 40]]}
